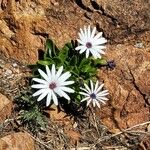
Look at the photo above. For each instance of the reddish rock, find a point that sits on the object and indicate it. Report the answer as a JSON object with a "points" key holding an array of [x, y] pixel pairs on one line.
{"points": [[17, 141], [5, 108], [25, 25], [129, 87]]}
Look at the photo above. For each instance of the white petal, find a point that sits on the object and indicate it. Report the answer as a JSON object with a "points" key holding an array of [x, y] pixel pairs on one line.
{"points": [[82, 37], [53, 71], [64, 76], [87, 53], [58, 91], [86, 86], [101, 52], [94, 102], [83, 93], [86, 98], [43, 75], [59, 72], [67, 83], [81, 42], [93, 32], [40, 80], [96, 86], [85, 90], [97, 103], [65, 95], [82, 50], [89, 101], [99, 88], [89, 32], [80, 47], [95, 53], [102, 98], [99, 41], [48, 72], [92, 87], [98, 36], [42, 96], [102, 101], [67, 89], [103, 93], [55, 100], [85, 33], [39, 92], [39, 86], [48, 100], [82, 33]]}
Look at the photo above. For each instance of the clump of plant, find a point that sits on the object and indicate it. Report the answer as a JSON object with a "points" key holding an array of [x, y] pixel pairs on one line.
{"points": [[69, 74]]}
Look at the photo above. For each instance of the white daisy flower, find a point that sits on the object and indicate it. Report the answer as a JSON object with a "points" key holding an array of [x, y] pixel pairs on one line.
{"points": [[95, 95], [91, 43], [53, 84]]}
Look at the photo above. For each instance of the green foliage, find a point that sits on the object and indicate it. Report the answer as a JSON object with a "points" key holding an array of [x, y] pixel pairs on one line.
{"points": [[30, 112], [82, 69]]}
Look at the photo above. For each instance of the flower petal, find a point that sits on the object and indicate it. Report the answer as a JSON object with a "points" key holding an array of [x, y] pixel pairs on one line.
{"points": [[59, 72], [83, 93], [92, 87], [93, 32], [85, 99], [53, 71], [98, 36], [40, 81], [97, 103], [55, 100], [38, 92], [39, 86], [86, 86], [44, 75], [67, 89], [42, 96], [65, 95], [48, 72], [64, 76], [99, 88], [87, 53], [88, 102], [48, 100], [99, 41]]}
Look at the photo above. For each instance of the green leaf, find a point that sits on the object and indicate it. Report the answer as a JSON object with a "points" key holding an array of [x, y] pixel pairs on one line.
{"points": [[84, 63], [63, 54], [51, 49], [57, 61], [45, 62], [101, 61], [73, 60]]}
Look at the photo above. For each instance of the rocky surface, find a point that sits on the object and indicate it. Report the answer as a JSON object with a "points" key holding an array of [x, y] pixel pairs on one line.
{"points": [[17, 141], [24, 25], [129, 87], [5, 108]]}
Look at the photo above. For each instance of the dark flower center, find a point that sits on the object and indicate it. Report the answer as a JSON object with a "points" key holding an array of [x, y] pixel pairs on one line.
{"points": [[93, 96], [52, 85], [88, 45]]}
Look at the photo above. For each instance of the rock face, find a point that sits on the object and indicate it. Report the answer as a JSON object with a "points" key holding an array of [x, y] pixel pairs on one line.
{"points": [[17, 141], [24, 25], [5, 108], [129, 87]]}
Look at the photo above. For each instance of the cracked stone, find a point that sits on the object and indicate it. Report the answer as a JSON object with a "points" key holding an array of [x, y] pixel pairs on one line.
{"points": [[128, 84], [5, 108], [17, 141], [25, 25]]}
